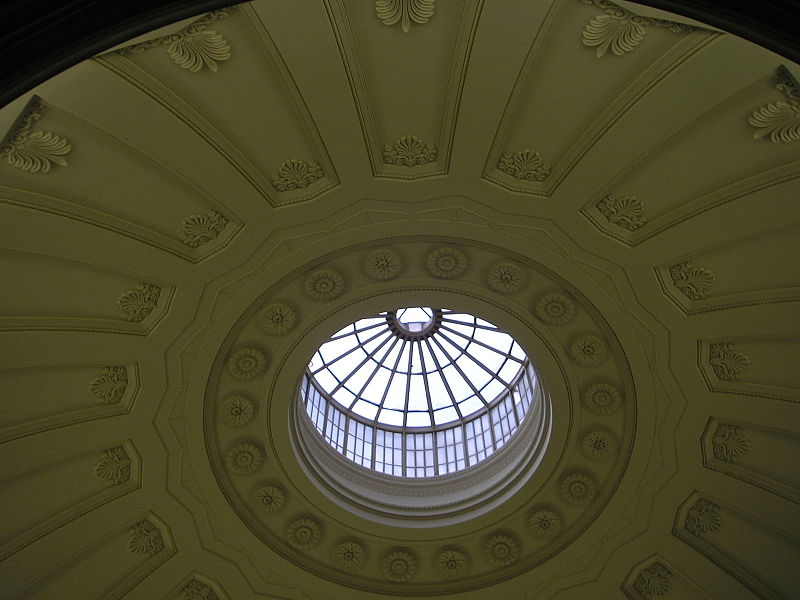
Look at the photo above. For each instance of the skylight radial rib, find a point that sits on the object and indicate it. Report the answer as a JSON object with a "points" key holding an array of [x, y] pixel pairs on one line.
{"points": [[391, 377], [484, 367], [356, 331], [366, 359], [341, 356], [427, 387], [378, 365], [477, 325], [408, 391], [463, 375], [444, 380], [483, 344]]}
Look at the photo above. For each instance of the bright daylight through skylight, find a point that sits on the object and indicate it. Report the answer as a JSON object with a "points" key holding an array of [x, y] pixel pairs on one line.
{"points": [[444, 389]]}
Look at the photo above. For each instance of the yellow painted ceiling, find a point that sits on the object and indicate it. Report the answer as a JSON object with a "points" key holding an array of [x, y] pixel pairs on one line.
{"points": [[638, 170]]}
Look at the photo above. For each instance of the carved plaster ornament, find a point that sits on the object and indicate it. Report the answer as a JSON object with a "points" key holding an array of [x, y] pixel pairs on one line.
{"points": [[349, 555], [409, 151], [382, 264], [135, 305], [780, 120], [525, 164], [399, 566], [114, 466], [544, 523], [296, 174], [506, 277], [145, 538], [247, 363], [390, 12], [693, 282], [201, 229], [452, 563], [34, 151], [626, 211], [602, 398], [621, 31], [324, 284], [446, 263], [703, 517], [577, 489], [244, 459], [109, 387], [277, 319], [194, 47], [653, 581], [501, 550], [555, 309], [729, 442], [728, 363]]}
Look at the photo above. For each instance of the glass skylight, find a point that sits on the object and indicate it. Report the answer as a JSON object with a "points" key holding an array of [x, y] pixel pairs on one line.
{"points": [[393, 391]]}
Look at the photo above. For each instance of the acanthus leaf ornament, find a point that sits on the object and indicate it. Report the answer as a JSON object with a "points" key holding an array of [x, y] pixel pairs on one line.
{"points": [[193, 47], [779, 120], [197, 230], [620, 30], [626, 212], [296, 174], [525, 164], [145, 538], [703, 517], [390, 12], [728, 363], [693, 282], [136, 304], [109, 387], [34, 151], [197, 590], [729, 442], [654, 580], [409, 151], [114, 466]]}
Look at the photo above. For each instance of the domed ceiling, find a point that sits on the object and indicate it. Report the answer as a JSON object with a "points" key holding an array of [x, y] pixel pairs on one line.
{"points": [[188, 216]]}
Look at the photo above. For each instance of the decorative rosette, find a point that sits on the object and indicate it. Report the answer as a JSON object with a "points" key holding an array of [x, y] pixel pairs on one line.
{"points": [[324, 284], [247, 363], [277, 319], [243, 459], [382, 264], [446, 263], [236, 411], [268, 499], [555, 309]]}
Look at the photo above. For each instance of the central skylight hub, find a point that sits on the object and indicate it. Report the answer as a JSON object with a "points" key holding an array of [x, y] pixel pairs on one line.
{"points": [[418, 391], [415, 323]]}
